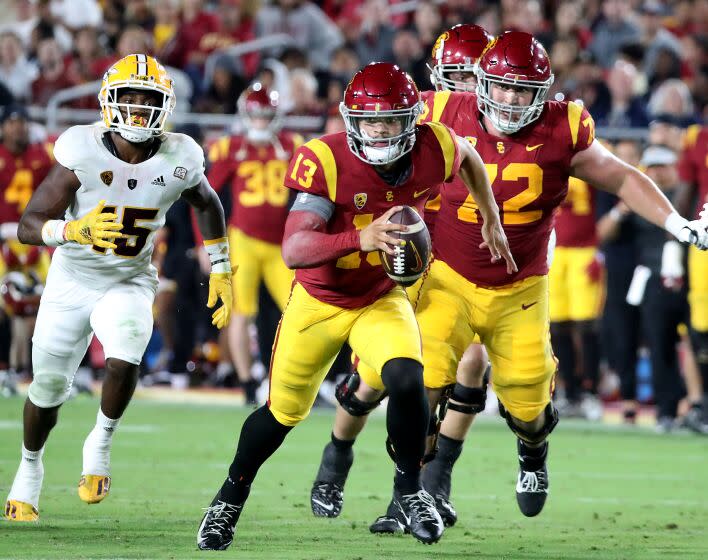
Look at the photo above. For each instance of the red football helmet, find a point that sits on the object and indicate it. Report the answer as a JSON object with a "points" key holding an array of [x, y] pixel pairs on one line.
{"points": [[21, 293], [257, 103], [381, 90], [457, 50], [17, 256], [515, 59]]}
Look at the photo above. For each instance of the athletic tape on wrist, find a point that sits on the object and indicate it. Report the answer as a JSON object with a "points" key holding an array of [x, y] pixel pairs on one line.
{"points": [[53, 233], [218, 250]]}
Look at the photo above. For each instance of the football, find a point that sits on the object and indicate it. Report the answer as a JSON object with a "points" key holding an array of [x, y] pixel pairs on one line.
{"points": [[410, 260]]}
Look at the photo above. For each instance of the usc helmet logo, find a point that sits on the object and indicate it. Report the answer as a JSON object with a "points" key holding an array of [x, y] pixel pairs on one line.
{"points": [[439, 45]]}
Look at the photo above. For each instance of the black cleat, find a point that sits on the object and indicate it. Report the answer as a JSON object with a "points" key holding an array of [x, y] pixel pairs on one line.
{"points": [[393, 522], [422, 518], [446, 510], [216, 531], [327, 495], [250, 389], [326, 498], [532, 484]]}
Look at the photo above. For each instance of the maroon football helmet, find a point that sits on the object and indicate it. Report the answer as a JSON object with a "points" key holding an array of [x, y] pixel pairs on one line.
{"points": [[457, 50], [516, 59], [258, 103], [21, 293], [381, 90]]}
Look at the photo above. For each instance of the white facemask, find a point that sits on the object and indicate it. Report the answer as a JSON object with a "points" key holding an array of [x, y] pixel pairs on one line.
{"points": [[380, 154], [259, 135]]}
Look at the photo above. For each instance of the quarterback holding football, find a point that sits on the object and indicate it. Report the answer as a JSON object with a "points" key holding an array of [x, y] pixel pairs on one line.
{"points": [[349, 185]]}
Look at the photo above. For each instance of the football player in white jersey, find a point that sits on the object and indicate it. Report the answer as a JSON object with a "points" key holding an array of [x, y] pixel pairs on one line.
{"points": [[101, 206]]}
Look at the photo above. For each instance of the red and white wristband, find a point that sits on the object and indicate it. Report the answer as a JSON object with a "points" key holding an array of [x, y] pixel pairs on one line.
{"points": [[53, 233], [218, 250]]}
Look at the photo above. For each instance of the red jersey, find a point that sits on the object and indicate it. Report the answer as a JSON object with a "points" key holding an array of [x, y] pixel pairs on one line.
{"points": [[693, 165], [188, 36], [19, 176], [529, 176], [432, 207], [326, 167], [575, 218], [259, 201]]}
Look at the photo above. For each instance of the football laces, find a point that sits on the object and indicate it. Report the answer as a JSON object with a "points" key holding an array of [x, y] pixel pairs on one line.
{"points": [[399, 260]]}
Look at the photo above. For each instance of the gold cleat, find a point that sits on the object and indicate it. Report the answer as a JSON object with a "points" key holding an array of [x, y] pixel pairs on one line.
{"points": [[94, 487], [20, 511]]}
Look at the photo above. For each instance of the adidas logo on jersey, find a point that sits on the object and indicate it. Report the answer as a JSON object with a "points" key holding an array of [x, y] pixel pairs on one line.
{"points": [[160, 181]]}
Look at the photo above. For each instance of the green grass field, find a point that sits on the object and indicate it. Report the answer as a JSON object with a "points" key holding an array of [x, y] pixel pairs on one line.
{"points": [[614, 493]]}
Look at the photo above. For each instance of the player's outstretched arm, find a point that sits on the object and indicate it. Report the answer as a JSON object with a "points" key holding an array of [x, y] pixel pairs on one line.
{"points": [[474, 176], [597, 166], [40, 223], [210, 220]]}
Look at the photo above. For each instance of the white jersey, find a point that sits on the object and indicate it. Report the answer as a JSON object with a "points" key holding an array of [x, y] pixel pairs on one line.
{"points": [[140, 194]]}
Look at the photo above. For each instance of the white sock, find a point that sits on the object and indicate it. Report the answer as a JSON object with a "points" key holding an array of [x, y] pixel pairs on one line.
{"points": [[28, 480], [97, 447]]}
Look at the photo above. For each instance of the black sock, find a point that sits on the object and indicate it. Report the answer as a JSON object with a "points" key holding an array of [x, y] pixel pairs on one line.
{"points": [[261, 435], [562, 342], [437, 474], [342, 444], [591, 360], [532, 457], [337, 459], [406, 419], [249, 390], [406, 482]]}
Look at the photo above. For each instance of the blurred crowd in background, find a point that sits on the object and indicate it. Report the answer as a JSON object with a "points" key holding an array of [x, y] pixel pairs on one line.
{"points": [[640, 67], [628, 60]]}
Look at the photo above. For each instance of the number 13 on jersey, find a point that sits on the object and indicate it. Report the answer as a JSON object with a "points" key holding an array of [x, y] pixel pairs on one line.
{"points": [[304, 178]]}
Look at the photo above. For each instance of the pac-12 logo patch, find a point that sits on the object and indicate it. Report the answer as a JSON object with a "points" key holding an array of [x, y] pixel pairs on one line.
{"points": [[107, 177], [180, 172], [132, 183], [360, 200]]}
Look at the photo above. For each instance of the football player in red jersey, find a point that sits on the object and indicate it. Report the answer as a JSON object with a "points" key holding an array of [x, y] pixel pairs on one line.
{"points": [[576, 270], [348, 185], [23, 165], [455, 55], [693, 169], [530, 147], [253, 166]]}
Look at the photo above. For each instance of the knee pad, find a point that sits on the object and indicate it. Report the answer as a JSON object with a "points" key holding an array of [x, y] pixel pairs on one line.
{"points": [[551, 419], [403, 376], [48, 390], [468, 400], [345, 394]]}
